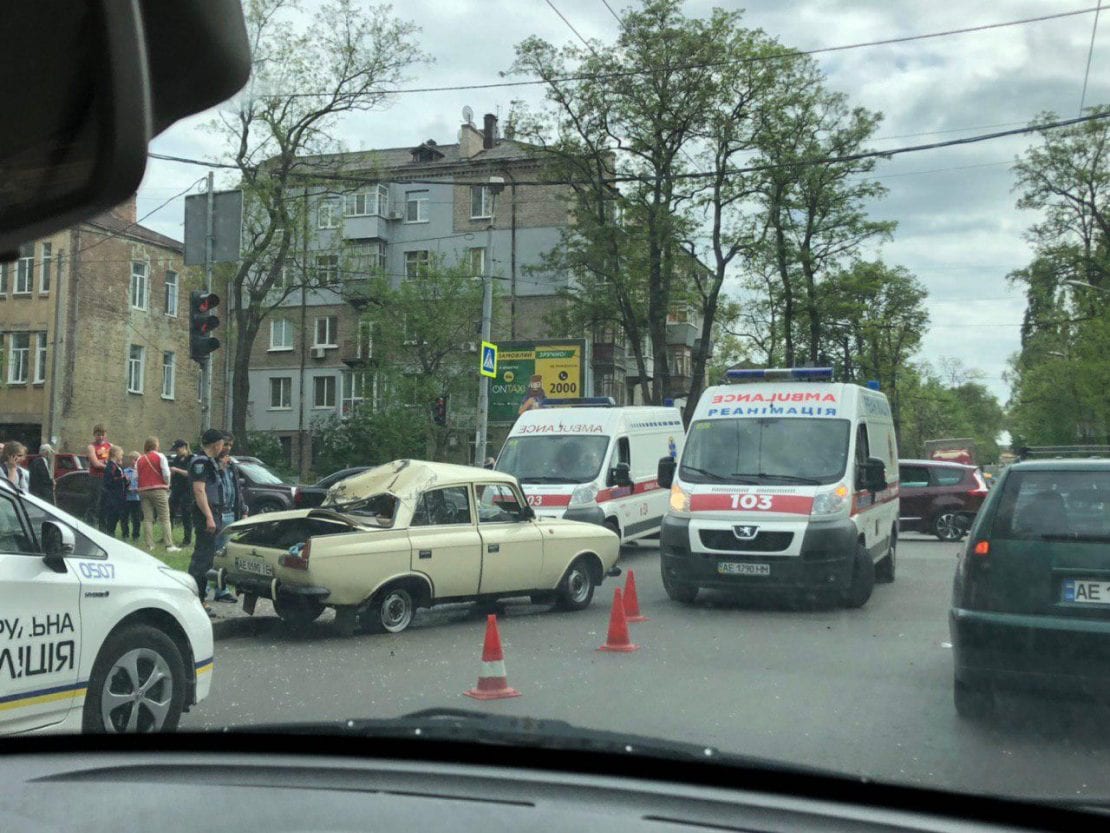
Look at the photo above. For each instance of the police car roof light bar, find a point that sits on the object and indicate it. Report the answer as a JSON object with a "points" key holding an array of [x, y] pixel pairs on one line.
{"points": [[782, 374], [584, 402]]}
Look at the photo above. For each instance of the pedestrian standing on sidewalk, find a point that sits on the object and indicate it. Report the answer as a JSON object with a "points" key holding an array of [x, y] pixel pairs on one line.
{"points": [[10, 456], [42, 474], [181, 494], [114, 491], [209, 500], [154, 491], [97, 452], [133, 514]]}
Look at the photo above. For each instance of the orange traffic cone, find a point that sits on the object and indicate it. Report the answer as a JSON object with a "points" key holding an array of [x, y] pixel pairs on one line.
{"points": [[492, 682], [618, 639], [631, 601]]}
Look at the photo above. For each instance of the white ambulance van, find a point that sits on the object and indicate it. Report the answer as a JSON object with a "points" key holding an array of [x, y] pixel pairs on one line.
{"points": [[587, 460], [782, 485]]}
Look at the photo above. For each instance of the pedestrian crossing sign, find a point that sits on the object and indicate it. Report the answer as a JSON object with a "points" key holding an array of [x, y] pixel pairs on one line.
{"points": [[488, 366]]}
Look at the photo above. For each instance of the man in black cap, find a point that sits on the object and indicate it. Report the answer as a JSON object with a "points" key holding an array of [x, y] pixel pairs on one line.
{"points": [[209, 500], [181, 496]]}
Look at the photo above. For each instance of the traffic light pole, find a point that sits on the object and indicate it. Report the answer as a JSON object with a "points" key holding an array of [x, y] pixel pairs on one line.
{"points": [[483, 381], [206, 390]]}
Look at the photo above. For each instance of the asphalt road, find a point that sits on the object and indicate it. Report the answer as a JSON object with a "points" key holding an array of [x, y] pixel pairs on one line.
{"points": [[867, 691]]}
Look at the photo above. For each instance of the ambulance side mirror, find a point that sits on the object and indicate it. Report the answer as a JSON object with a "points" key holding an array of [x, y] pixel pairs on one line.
{"points": [[874, 474], [665, 474]]}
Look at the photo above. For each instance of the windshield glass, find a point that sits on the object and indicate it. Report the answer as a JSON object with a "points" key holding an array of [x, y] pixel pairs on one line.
{"points": [[260, 474], [765, 450], [553, 459]]}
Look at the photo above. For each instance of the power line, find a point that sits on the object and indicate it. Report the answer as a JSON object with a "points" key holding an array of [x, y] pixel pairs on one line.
{"points": [[125, 229], [801, 163], [570, 26], [786, 55], [1090, 52], [613, 13]]}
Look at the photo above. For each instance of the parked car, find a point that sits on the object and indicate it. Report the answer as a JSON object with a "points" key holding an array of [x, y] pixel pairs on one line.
{"points": [[263, 488], [305, 497], [64, 463], [101, 637], [73, 493], [939, 498], [413, 534], [1031, 596]]}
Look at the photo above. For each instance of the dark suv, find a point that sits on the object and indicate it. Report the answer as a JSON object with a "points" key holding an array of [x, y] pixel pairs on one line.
{"points": [[263, 489], [939, 498], [1031, 597]]}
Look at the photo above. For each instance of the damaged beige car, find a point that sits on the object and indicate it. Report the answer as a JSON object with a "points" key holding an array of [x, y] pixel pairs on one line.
{"points": [[412, 534]]}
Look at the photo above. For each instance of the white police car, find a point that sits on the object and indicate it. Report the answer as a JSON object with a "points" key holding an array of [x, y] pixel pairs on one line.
{"points": [[95, 635]]}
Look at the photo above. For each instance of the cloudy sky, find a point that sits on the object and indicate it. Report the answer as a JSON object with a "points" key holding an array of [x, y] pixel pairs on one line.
{"points": [[958, 228]]}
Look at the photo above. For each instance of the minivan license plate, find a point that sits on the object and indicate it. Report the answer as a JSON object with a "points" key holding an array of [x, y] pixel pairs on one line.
{"points": [[732, 568], [255, 566], [1086, 591]]}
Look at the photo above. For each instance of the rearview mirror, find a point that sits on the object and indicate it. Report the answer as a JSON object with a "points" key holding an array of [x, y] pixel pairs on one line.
{"points": [[665, 474], [87, 85]]}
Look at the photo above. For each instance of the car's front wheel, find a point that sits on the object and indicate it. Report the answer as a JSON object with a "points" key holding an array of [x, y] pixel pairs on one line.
{"points": [[576, 590], [685, 594], [948, 526], [863, 579], [137, 684], [391, 611]]}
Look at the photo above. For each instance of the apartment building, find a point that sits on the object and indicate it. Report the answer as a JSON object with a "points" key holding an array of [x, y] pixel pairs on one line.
{"points": [[417, 203], [94, 328]]}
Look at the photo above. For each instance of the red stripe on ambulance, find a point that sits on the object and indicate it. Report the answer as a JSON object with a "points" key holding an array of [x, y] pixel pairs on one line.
{"points": [[747, 502]]}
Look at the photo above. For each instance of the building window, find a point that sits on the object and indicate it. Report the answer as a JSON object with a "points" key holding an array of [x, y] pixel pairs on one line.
{"points": [[416, 263], [373, 202], [481, 202], [364, 343], [476, 261], [136, 360], [40, 358], [352, 384], [323, 392], [281, 334], [328, 214], [281, 393], [19, 358], [379, 257], [25, 269], [326, 269], [3, 279], [171, 294], [169, 369], [139, 284], [416, 207], [46, 268], [326, 332]]}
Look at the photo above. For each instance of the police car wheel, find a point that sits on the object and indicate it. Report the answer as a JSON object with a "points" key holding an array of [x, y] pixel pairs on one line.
{"points": [[863, 579], [296, 611], [576, 590], [137, 684]]}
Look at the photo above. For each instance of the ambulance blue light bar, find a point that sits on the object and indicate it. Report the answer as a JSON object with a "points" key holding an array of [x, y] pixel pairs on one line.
{"points": [[584, 402], [782, 374]]}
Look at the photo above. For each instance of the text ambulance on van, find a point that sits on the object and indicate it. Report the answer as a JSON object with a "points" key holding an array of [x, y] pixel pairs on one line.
{"points": [[782, 485], [586, 460]]}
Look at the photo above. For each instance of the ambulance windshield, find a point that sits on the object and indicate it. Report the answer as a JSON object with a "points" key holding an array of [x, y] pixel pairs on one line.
{"points": [[553, 458], [770, 450]]}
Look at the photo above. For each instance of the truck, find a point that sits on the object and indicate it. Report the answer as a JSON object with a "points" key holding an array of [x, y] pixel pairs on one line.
{"points": [[952, 451]]}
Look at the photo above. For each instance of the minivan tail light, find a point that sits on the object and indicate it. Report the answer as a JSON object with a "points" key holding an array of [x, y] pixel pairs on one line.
{"points": [[982, 548], [297, 559], [980, 489]]}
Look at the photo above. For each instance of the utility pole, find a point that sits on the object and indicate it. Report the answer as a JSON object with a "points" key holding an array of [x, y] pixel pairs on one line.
{"points": [[495, 186], [209, 238]]}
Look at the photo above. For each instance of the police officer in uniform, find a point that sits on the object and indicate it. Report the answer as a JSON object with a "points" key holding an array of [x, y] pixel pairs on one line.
{"points": [[209, 499]]}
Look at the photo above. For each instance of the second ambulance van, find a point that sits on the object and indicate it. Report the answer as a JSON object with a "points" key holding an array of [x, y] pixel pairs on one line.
{"points": [[782, 485], [587, 460]]}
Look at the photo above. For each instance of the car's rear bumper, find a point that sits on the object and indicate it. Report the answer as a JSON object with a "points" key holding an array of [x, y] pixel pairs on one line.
{"points": [[824, 563], [267, 588], [1049, 653]]}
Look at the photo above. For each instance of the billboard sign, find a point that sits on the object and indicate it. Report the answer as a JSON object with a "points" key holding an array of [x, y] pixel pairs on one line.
{"points": [[528, 372], [227, 221]]}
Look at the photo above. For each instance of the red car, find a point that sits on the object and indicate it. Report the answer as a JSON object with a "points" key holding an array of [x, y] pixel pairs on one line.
{"points": [[939, 498], [64, 463]]}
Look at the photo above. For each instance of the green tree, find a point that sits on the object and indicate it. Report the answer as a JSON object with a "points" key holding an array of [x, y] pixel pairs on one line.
{"points": [[348, 55]]}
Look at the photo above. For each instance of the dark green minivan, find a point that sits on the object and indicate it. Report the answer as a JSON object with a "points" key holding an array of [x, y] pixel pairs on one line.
{"points": [[1031, 597]]}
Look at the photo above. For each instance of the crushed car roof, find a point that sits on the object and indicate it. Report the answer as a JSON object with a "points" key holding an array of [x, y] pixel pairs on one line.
{"points": [[408, 478]]}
